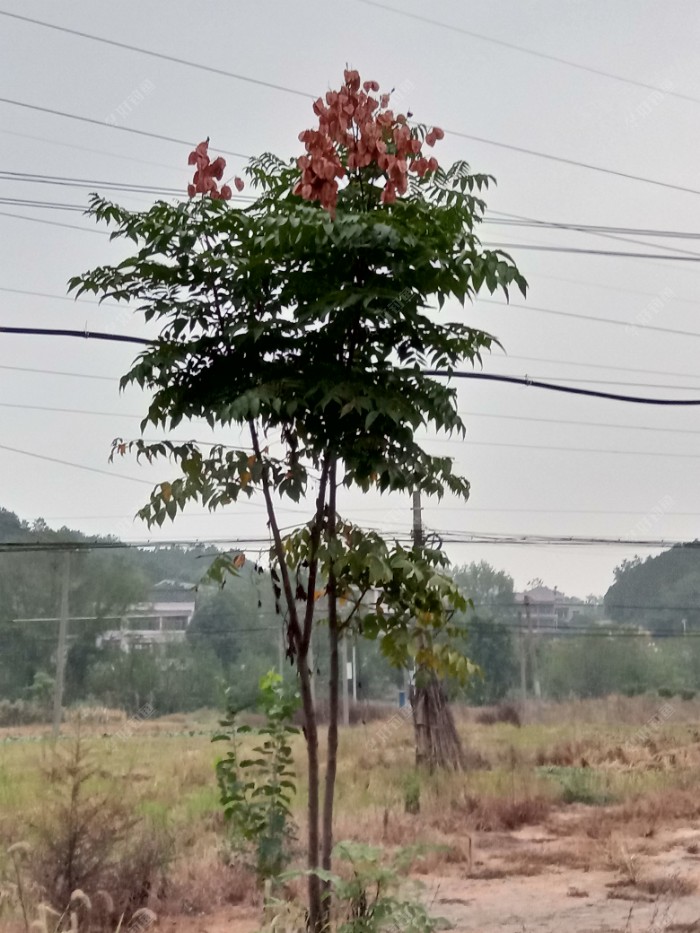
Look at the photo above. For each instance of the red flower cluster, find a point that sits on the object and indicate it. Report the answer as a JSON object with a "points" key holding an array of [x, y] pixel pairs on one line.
{"points": [[356, 130], [208, 173]]}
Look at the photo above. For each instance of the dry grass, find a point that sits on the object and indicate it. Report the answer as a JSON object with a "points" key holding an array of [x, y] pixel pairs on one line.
{"points": [[504, 712], [671, 886], [202, 882], [506, 789]]}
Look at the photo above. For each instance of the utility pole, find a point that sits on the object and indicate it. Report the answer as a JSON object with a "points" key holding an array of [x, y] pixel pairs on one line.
{"points": [[354, 670], [523, 658], [417, 519], [344, 679], [532, 651], [417, 542], [312, 668], [61, 649], [281, 649]]}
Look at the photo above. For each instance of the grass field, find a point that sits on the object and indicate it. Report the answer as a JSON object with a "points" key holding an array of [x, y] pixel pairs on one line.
{"points": [[591, 791]]}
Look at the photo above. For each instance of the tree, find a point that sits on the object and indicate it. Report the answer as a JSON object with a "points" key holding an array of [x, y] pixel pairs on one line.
{"points": [[489, 641], [660, 593], [221, 621], [491, 591], [308, 315]]}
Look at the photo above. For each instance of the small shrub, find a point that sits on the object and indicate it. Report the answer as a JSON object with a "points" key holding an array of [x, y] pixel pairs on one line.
{"points": [[411, 793], [671, 886], [666, 692], [688, 694], [78, 830], [504, 712], [257, 792], [364, 898], [491, 814], [579, 785]]}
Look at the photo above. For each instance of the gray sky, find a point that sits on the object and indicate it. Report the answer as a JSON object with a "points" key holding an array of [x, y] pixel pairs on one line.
{"points": [[449, 79]]}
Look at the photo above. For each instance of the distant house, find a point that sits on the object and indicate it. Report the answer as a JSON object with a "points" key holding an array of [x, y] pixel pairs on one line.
{"points": [[163, 620], [548, 608]]}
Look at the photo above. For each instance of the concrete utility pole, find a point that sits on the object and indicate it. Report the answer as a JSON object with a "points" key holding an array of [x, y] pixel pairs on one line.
{"points": [[523, 659], [312, 668], [532, 651], [417, 519], [354, 671], [344, 680], [281, 650], [417, 542], [61, 649]]}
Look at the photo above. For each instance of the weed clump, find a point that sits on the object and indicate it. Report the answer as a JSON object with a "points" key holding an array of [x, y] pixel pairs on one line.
{"points": [[504, 712]]}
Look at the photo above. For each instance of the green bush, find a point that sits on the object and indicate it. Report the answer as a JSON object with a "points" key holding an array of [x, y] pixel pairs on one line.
{"points": [[366, 898], [257, 792], [579, 785]]}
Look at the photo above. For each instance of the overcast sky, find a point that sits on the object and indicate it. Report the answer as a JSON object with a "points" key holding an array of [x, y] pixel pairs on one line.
{"points": [[539, 463]]}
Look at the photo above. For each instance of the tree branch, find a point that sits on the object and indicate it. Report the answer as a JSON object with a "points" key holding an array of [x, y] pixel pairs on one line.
{"points": [[293, 624], [316, 529]]}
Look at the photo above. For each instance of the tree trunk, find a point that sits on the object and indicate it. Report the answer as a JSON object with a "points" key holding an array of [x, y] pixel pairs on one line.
{"points": [[334, 682], [331, 761], [311, 736], [438, 744]]}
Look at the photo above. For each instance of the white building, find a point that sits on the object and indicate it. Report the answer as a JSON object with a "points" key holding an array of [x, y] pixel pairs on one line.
{"points": [[163, 620]]}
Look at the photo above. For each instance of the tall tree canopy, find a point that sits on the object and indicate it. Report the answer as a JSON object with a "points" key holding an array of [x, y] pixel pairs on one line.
{"points": [[659, 592]]}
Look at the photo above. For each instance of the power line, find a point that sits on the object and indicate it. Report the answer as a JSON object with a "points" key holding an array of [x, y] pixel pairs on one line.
{"points": [[586, 424], [53, 223], [86, 334], [520, 221], [92, 183], [612, 367], [533, 52], [160, 55], [44, 205], [515, 220], [77, 466], [539, 511], [111, 126], [426, 508], [509, 219], [574, 162], [287, 90], [102, 152], [571, 390], [81, 300], [450, 537], [478, 537], [540, 247], [616, 382], [116, 545], [57, 372], [615, 288], [587, 317], [573, 450], [513, 380], [68, 411], [70, 182]]}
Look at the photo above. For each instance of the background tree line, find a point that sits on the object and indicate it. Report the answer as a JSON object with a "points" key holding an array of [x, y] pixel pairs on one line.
{"points": [[234, 634]]}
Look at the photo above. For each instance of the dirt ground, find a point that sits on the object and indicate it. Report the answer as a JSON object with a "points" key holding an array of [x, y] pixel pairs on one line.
{"points": [[543, 880]]}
